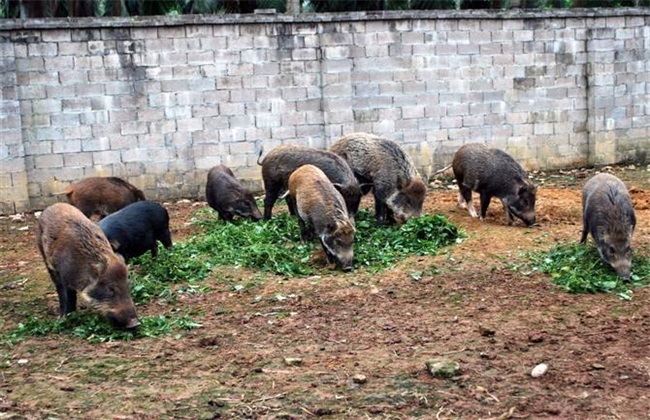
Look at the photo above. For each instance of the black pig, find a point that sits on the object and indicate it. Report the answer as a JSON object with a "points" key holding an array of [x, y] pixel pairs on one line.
{"points": [[608, 215], [322, 213], [493, 173], [136, 228], [228, 197], [97, 197], [381, 163], [280, 163], [79, 259]]}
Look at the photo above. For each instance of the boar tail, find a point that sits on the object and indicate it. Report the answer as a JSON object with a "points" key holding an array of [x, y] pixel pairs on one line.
{"points": [[259, 155], [68, 191], [442, 170]]}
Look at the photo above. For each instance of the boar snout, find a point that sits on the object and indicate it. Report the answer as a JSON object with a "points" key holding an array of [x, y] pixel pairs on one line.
{"points": [[124, 320], [256, 215], [345, 264], [623, 268], [530, 221]]}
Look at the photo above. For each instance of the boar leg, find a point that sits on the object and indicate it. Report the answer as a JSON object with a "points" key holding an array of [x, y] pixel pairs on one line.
{"points": [[509, 216], [67, 296], [381, 213], [272, 194], [306, 232], [154, 249], [166, 239], [466, 195], [291, 204], [585, 231], [485, 203], [225, 216], [72, 300], [461, 201]]}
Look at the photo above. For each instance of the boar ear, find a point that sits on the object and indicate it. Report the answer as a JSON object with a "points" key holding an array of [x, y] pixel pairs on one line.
{"points": [[120, 257], [97, 268], [114, 244], [338, 186], [527, 188]]}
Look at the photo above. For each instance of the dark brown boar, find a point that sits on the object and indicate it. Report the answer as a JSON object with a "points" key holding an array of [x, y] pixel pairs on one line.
{"points": [[79, 259], [280, 163], [493, 173], [97, 197], [398, 189], [228, 197], [322, 213], [608, 215]]}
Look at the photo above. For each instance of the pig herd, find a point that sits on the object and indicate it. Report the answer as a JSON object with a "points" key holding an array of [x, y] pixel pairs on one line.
{"points": [[87, 243]]}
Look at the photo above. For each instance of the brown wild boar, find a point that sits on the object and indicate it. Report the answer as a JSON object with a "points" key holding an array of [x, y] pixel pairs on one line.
{"points": [[493, 173], [322, 213], [79, 259], [398, 189], [228, 197], [608, 215], [280, 163], [97, 197]]}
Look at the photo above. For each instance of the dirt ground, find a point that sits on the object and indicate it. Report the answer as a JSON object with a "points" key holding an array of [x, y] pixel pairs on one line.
{"points": [[362, 339]]}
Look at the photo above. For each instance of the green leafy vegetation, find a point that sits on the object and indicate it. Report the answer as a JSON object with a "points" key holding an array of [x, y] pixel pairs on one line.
{"points": [[274, 246], [377, 248], [269, 246], [96, 329], [577, 268]]}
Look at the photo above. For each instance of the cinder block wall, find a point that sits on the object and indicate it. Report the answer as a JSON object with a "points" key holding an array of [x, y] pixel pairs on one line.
{"points": [[158, 101]]}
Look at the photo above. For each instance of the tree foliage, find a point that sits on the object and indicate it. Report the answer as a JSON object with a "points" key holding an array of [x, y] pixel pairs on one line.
{"points": [[26, 9]]}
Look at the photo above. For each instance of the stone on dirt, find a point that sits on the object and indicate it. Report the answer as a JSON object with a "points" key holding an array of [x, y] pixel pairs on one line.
{"points": [[359, 379], [443, 368], [539, 370], [293, 361]]}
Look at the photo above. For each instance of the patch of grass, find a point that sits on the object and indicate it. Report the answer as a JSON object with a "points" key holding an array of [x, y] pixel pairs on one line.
{"points": [[152, 278], [577, 268], [274, 246], [96, 329], [379, 247]]}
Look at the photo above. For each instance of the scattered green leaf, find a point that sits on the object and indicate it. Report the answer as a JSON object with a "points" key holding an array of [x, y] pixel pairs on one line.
{"points": [[577, 268]]}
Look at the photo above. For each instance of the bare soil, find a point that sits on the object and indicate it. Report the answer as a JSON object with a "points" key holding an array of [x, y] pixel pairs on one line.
{"points": [[362, 339]]}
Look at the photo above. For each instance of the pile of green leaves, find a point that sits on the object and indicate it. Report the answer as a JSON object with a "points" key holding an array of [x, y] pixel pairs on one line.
{"points": [[577, 268], [379, 247], [269, 246], [96, 329], [274, 246]]}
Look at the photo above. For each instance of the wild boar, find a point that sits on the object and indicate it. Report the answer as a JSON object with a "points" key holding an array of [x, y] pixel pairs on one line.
{"points": [[322, 213], [136, 228], [97, 197], [79, 259], [280, 163], [381, 163], [493, 173], [228, 197], [608, 215]]}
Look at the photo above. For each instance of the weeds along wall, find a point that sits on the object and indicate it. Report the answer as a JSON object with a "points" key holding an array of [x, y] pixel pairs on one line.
{"points": [[160, 100]]}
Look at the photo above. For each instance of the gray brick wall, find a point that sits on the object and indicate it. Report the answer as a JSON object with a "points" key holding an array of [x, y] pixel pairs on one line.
{"points": [[158, 101]]}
